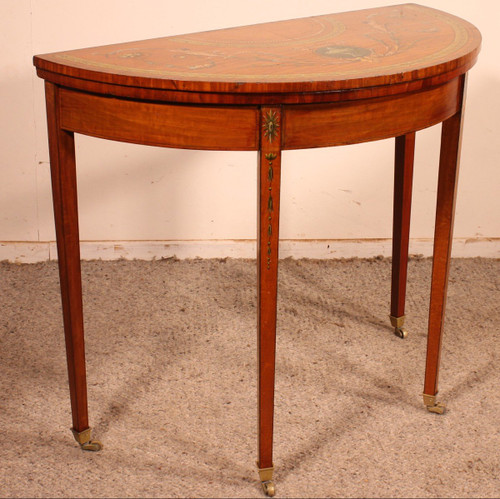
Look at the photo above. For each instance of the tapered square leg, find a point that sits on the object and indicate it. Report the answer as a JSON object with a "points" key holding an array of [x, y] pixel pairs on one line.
{"points": [[403, 178], [443, 236], [63, 175], [269, 173]]}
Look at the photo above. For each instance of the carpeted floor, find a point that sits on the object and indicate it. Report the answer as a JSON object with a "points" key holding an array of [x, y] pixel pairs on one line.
{"points": [[171, 360]]}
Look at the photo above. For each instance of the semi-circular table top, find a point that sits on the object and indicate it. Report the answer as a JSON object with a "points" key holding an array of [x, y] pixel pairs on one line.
{"points": [[328, 53]]}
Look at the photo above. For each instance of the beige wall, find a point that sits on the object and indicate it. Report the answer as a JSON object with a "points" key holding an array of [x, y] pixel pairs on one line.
{"points": [[134, 193]]}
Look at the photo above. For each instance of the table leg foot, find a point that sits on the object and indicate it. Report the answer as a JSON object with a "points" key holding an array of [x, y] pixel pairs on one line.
{"points": [[86, 443], [266, 479], [432, 405], [403, 178], [397, 323]]}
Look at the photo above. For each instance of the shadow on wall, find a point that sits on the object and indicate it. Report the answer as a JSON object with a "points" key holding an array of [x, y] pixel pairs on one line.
{"points": [[478, 203], [17, 150]]}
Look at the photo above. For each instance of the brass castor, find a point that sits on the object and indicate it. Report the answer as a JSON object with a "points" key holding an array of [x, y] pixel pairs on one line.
{"points": [[432, 405], [83, 438], [92, 445], [397, 323], [401, 332], [268, 488], [437, 409], [266, 479]]}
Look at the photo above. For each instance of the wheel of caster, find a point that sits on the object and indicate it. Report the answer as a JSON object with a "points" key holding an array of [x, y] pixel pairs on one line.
{"points": [[401, 332], [268, 488], [92, 446], [437, 409]]}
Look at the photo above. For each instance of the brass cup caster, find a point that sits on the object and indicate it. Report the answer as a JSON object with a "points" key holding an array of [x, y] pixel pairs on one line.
{"points": [[83, 438], [401, 332], [432, 405], [397, 323], [92, 445], [266, 479], [268, 488]]}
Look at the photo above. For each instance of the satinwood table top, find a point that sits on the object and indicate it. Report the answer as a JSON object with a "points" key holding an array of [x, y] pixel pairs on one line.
{"points": [[349, 50]]}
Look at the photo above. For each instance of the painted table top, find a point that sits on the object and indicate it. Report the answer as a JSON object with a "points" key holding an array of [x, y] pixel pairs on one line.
{"points": [[348, 50]]}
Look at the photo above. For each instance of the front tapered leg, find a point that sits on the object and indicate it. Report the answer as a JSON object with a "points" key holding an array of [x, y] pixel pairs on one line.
{"points": [[443, 235], [269, 170], [63, 174], [403, 176]]}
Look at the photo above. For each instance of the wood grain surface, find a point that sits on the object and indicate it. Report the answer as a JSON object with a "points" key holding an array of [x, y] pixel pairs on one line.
{"points": [[352, 122], [358, 49], [65, 200], [160, 124], [269, 180], [401, 215], [449, 163]]}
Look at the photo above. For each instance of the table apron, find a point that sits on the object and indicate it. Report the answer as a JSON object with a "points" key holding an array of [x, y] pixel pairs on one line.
{"points": [[237, 128], [226, 128], [352, 122]]}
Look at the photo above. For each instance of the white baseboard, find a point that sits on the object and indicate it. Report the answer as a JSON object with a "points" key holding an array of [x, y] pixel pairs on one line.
{"points": [[32, 252]]}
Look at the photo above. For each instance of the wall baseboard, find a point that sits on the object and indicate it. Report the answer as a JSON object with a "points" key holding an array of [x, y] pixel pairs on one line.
{"points": [[33, 252]]}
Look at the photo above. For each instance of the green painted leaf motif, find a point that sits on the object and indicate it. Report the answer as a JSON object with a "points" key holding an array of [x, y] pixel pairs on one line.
{"points": [[270, 230], [344, 52], [270, 173], [270, 203]]}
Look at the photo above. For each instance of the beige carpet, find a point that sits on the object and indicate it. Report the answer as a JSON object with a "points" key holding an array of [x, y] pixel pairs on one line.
{"points": [[171, 359]]}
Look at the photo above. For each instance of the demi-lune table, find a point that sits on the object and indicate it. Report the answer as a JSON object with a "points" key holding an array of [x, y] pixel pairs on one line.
{"points": [[313, 82]]}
